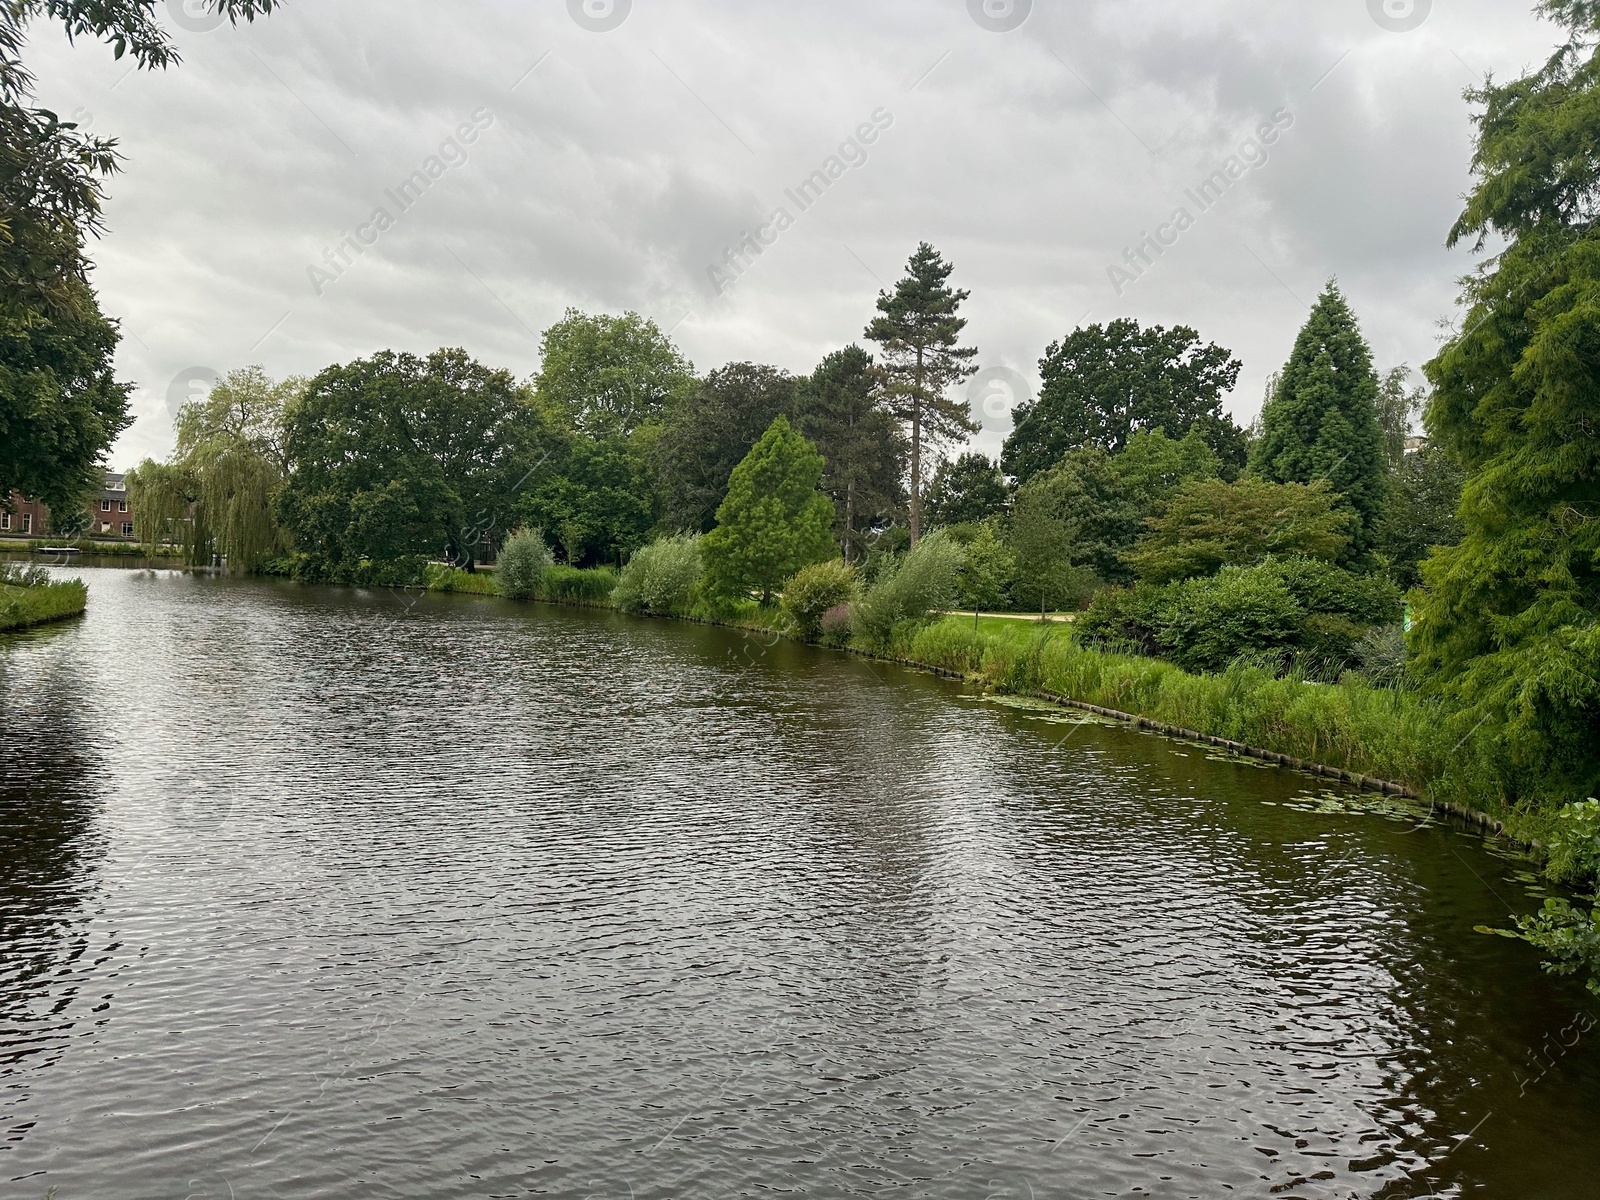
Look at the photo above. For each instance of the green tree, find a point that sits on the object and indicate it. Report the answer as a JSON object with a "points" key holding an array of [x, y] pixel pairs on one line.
{"points": [[60, 404], [1209, 524], [709, 431], [1425, 492], [1398, 406], [986, 574], [1104, 383], [396, 459], [1152, 466], [966, 489], [919, 331], [219, 492], [1322, 423], [773, 520], [1509, 625], [1084, 493], [595, 494], [862, 448], [609, 375]]}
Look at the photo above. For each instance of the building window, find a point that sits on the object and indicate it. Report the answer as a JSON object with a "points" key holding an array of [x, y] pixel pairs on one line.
{"points": [[105, 506], [5, 520], [127, 529], [105, 526], [122, 506], [27, 522]]}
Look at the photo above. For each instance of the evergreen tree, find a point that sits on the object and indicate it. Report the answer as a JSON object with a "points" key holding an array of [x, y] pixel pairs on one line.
{"points": [[840, 412], [773, 521], [968, 489], [919, 331], [1322, 423], [1510, 623]]}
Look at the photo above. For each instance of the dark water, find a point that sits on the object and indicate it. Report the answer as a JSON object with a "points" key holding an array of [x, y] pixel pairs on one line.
{"points": [[354, 894]]}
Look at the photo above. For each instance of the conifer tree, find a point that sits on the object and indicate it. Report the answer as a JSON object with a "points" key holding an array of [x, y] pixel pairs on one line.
{"points": [[1322, 422], [919, 331], [1509, 626], [773, 521]]}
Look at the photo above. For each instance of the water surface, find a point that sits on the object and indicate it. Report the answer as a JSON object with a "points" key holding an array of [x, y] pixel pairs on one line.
{"points": [[315, 892]]}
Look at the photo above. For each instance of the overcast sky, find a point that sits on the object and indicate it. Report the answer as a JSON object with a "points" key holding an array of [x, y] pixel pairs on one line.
{"points": [[618, 151]]}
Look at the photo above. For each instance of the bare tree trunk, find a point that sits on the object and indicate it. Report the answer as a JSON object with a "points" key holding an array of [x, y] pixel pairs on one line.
{"points": [[916, 454], [849, 521]]}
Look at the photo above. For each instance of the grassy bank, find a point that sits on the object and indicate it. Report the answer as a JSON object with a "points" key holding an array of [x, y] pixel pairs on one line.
{"points": [[1378, 732], [88, 546], [23, 606]]}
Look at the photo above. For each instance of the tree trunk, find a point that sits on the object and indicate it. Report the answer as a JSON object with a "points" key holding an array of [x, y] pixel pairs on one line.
{"points": [[849, 520], [916, 454]]}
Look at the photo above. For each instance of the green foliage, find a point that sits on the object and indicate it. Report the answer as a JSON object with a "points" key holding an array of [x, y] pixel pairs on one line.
{"points": [[1209, 524], [219, 492], [919, 332], [607, 376], [1102, 384], [437, 577], [773, 520], [1569, 936], [1508, 628], [1380, 655], [576, 585], [1321, 425], [522, 563], [1573, 845], [815, 591], [27, 600], [709, 432], [1424, 495], [594, 493], [1269, 613], [862, 448], [922, 582], [987, 572], [22, 575], [396, 457], [1153, 466], [966, 489], [661, 578], [61, 407]]}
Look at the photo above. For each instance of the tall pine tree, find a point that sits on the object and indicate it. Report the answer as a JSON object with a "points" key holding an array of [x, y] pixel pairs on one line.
{"points": [[919, 331], [1322, 422]]}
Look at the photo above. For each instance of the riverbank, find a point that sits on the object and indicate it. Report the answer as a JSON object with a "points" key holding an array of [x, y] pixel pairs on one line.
{"points": [[21, 607], [1389, 739]]}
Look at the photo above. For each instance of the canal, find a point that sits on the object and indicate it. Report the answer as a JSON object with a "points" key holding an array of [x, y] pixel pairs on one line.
{"points": [[311, 892]]}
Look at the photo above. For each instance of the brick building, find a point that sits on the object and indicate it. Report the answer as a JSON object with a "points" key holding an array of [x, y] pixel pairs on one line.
{"points": [[109, 516]]}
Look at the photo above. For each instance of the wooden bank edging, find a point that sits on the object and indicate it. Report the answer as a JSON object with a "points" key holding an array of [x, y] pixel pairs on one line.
{"points": [[1387, 787]]}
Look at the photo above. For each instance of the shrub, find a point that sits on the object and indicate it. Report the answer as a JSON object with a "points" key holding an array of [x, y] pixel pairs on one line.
{"points": [[1210, 622], [835, 625], [1380, 655], [814, 591], [23, 575], [522, 563], [1321, 587], [1128, 620], [576, 585], [920, 583], [1574, 844], [661, 578]]}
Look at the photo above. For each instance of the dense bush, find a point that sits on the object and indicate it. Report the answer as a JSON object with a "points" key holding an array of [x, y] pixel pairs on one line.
{"points": [[922, 582], [522, 563], [1271, 613], [661, 578], [815, 591], [577, 585]]}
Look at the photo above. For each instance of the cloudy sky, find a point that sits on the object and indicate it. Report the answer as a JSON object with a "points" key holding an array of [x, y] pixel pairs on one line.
{"points": [[619, 149]]}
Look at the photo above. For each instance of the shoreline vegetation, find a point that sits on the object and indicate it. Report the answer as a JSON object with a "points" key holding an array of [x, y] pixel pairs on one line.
{"points": [[28, 596], [1378, 738]]}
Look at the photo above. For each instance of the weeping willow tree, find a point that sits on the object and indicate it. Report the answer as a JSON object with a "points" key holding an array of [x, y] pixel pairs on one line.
{"points": [[217, 495]]}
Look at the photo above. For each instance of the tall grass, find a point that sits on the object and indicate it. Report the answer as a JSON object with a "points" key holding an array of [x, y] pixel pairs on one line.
{"points": [[23, 606]]}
